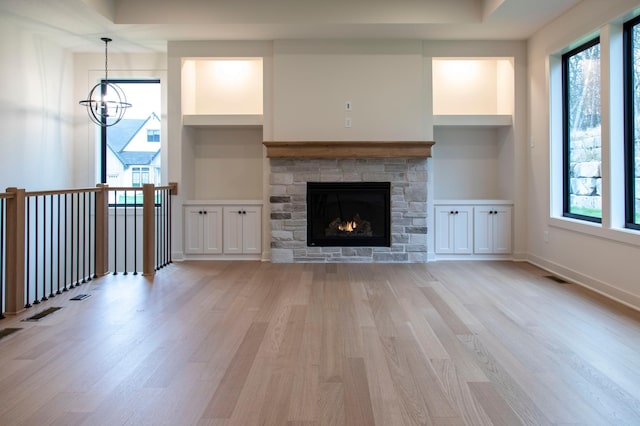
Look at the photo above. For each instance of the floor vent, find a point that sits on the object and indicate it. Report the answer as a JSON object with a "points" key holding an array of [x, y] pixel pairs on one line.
{"points": [[40, 315], [8, 331], [556, 279], [80, 297]]}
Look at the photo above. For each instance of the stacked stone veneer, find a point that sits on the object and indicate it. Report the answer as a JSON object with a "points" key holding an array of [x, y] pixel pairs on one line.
{"points": [[288, 183]]}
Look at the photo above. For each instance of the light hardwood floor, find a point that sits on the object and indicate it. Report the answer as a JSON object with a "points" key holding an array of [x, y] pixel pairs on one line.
{"points": [[244, 343]]}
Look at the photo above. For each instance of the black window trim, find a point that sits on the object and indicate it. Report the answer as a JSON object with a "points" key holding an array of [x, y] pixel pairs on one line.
{"points": [[629, 126], [566, 183]]}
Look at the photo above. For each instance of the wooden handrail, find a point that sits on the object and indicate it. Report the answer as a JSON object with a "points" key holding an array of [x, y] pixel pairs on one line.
{"points": [[16, 223], [60, 191]]}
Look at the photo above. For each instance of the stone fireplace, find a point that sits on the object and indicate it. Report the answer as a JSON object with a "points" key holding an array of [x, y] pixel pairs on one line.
{"points": [[403, 170]]}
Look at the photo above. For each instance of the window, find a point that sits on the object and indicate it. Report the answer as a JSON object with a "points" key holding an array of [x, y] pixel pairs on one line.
{"points": [[153, 135], [133, 143], [632, 122], [582, 179], [139, 176]]}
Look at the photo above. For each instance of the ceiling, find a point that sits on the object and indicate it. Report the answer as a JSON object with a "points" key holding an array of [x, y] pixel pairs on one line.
{"points": [[146, 25]]}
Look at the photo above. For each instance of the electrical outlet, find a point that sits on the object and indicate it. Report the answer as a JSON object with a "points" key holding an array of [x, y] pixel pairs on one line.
{"points": [[347, 122], [347, 105], [545, 236]]}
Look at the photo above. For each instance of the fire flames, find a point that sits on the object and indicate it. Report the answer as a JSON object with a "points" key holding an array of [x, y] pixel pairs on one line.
{"points": [[348, 226]]}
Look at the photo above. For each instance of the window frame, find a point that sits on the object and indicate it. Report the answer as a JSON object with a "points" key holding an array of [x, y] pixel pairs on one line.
{"points": [[566, 180], [629, 124], [103, 129]]}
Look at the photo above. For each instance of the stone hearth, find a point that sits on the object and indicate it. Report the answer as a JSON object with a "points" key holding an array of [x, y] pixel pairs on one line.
{"points": [[408, 178]]}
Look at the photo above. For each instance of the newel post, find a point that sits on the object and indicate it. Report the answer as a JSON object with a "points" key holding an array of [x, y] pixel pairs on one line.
{"points": [[148, 229], [102, 230], [15, 256]]}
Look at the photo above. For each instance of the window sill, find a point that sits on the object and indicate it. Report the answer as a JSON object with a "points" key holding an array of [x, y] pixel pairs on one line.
{"points": [[621, 235]]}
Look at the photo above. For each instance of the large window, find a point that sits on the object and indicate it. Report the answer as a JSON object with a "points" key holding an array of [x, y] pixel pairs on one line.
{"points": [[582, 177], [632, 122], [132, 144]]}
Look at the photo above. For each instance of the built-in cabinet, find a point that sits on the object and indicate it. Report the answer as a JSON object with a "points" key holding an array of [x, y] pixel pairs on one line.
{"points": [[492, 229], [454, 229], [203, 229], [473, 227], [220, 229], [242, 230]]}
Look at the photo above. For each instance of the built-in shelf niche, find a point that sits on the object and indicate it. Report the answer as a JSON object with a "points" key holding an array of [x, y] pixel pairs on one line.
{"points": [[222, 91], [477, 92]]}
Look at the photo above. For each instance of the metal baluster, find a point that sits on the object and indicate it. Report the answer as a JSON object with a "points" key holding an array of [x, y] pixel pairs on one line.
{"points": [[51, 293], [35, 289], [125, 232], [66, 241], [59, 236], [135, 232], [89, 257], [156, 211], [170, 207], [84, 237], [44, 247], [95, 236], [27, 304], [78, 239], [115, 233], [71, 282], [165, 231]]}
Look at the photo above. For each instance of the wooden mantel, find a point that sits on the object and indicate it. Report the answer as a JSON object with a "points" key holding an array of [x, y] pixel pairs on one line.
{"points": [[349, 149]]}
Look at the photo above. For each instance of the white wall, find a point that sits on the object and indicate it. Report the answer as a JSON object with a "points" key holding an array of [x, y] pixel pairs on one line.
{"points": [[228, 164], [35, 111], [383, 80], [600, 257], [88, 70]]}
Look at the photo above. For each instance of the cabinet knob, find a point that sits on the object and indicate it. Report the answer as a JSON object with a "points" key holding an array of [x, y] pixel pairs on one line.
{"points": [[204, 212], [244, 212], [457, 212]]}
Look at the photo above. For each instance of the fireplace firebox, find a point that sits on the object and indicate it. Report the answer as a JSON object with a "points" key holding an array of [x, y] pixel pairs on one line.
{"points": [[350, 214]]}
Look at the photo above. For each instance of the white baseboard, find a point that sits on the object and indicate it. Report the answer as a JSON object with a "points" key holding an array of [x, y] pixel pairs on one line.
{"points": [[607, 290]]}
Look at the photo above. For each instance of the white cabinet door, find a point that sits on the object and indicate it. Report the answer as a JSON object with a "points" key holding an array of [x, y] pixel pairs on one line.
{"points": [[232, 229], [242, 229], [454, 229], [251, 230], [483, 228], [463, 230], [492, 230], [502, 230], [193, 238], [203, 230], [212, 230], [444, 230]]}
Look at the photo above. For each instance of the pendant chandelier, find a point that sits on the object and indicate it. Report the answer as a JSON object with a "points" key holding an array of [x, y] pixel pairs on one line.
{"points": [[106, 103]]}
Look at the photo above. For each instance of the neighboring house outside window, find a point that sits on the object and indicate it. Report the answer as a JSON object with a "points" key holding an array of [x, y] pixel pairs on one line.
{"points": [[133, 160]]}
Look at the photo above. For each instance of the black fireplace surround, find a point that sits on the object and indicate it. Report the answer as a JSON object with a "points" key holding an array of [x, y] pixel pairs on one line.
{"points": [[348, 214]]}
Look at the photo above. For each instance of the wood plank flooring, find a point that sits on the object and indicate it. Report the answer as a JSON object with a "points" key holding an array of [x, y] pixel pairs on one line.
{"points": [[248, 343]]}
